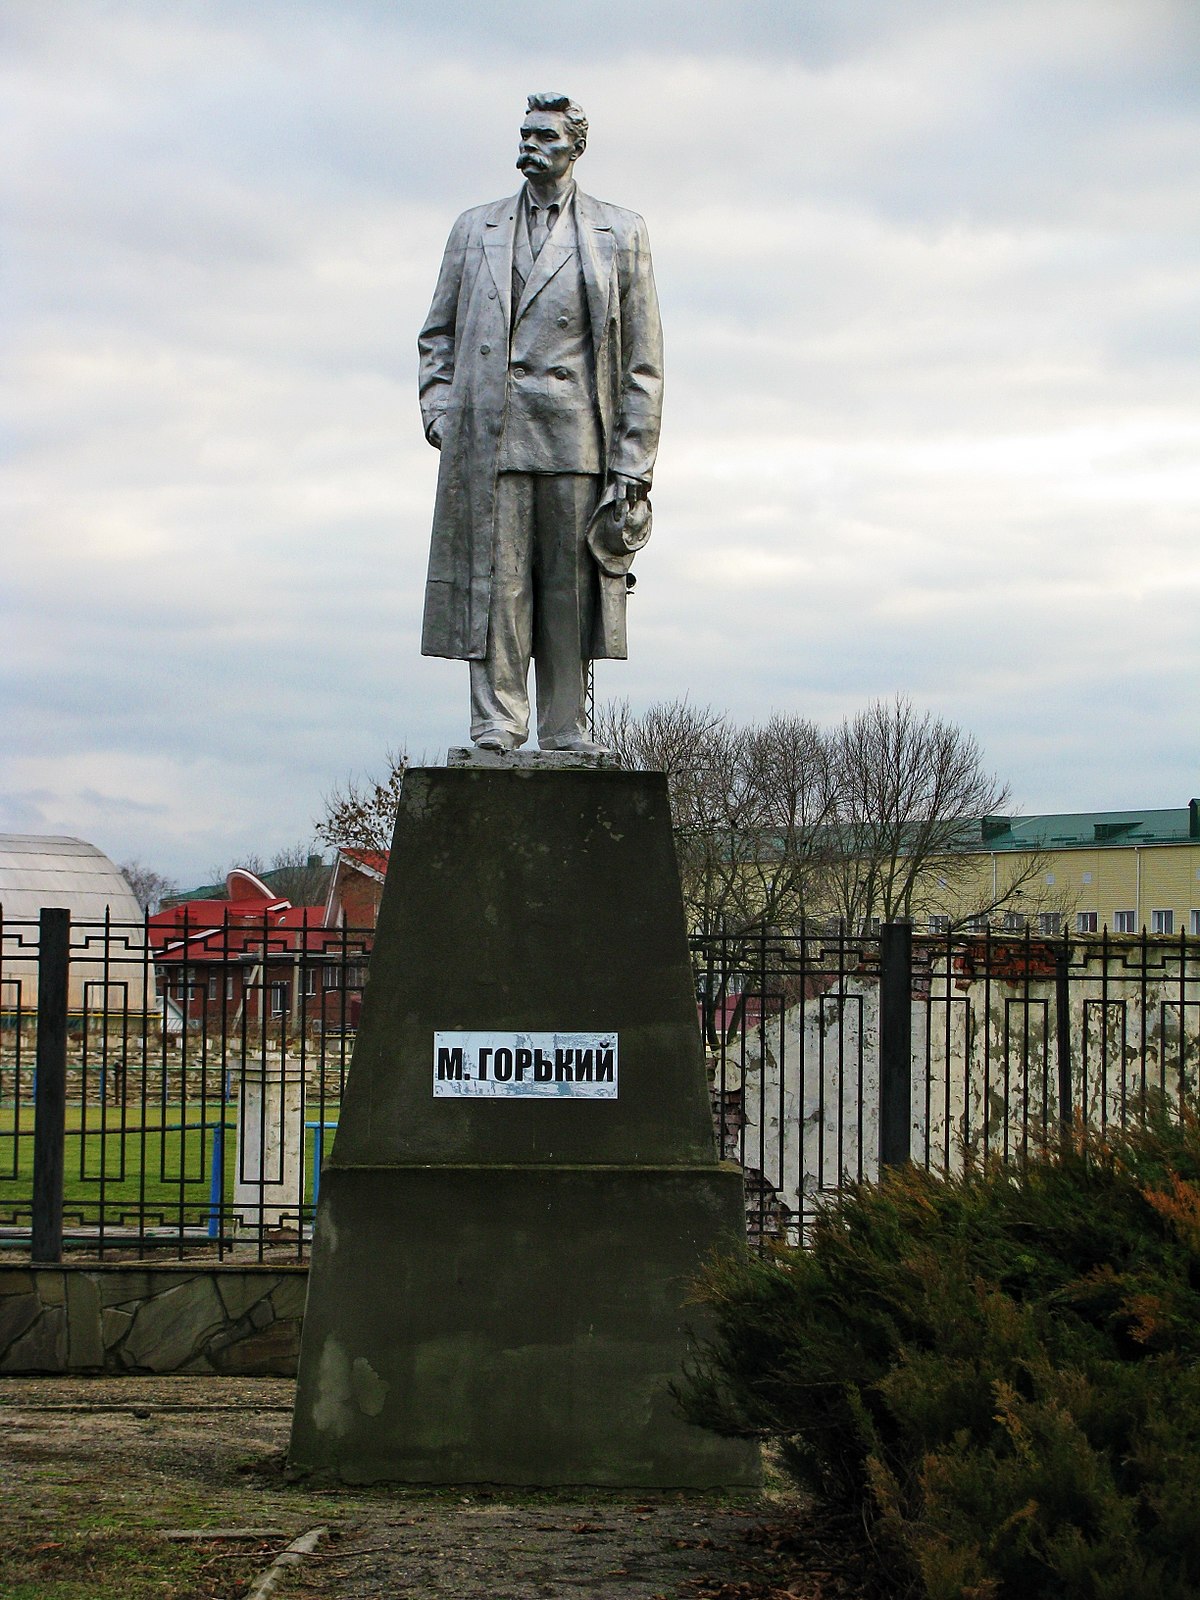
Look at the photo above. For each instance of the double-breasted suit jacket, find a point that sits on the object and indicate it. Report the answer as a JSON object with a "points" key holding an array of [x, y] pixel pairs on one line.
{"points": [[467, 381]]}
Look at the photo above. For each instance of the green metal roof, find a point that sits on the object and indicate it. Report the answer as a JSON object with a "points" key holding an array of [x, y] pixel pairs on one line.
{"points": [[1079, 829], [271, 876]]}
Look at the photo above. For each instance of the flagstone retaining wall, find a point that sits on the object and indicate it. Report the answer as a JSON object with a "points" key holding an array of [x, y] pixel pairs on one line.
{"points": [[243, 1321]]}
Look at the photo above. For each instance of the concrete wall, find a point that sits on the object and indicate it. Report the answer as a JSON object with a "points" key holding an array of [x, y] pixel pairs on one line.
{"points": [[984, 1067], [243, 1321]]}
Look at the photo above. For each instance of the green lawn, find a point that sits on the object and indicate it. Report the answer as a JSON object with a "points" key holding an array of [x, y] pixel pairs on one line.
{"points": [[126, 1565], [158, 1159]]}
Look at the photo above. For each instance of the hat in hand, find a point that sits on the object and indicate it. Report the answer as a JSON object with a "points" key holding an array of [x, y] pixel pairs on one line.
{"points": [[617, 531]]}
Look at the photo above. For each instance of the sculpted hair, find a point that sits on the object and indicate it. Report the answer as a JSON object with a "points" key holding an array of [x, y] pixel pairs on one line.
{"points": [[577, 123]]}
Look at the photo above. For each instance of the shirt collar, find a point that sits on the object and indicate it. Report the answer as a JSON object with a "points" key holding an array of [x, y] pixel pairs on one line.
{"points": [[532, 205]]}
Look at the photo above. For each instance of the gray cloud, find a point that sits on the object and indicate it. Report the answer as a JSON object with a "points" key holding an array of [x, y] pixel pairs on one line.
{"points": [[929, 279]]}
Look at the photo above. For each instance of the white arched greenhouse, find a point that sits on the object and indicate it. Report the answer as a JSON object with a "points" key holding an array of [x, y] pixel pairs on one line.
{"points": [[39, 872]]}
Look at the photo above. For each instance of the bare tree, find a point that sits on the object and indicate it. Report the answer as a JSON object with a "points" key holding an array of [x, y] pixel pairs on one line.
{"points": [[361, 814], [673, 736], [691, 746], [748, 806], [911, 790], [296, 873], [216, 888], [148, 886], [788, 779], [299, 874], [780, 821]]}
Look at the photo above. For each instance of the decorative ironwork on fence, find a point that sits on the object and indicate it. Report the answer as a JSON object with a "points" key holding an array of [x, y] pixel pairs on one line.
{"points": [[165, 1093], [831, 1055], [161, 1092]]}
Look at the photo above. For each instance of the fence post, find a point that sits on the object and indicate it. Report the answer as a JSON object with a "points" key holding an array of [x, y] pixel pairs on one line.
{"points": [[895, 1043], [1062, 1007], [50, 1091]]}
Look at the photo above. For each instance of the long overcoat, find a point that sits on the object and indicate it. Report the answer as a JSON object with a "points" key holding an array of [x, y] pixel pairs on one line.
{"points": [[464, 349]]}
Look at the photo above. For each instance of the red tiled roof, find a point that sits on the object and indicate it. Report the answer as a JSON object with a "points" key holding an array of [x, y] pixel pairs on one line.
{"points": [[215, 929], [373, 860]]}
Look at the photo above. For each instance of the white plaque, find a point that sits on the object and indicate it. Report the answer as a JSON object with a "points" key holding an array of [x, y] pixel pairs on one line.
{"points": [[526, 1066]]}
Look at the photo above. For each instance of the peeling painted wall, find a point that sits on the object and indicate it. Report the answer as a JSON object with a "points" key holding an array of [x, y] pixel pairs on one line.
{"points": [[984, 1066]]}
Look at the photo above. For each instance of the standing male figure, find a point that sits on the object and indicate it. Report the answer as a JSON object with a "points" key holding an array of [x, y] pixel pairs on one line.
{"points": [[541, 385]]}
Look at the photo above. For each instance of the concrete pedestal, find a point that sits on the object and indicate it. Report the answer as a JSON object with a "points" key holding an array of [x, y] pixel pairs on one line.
{"points": [[498, 1286]]}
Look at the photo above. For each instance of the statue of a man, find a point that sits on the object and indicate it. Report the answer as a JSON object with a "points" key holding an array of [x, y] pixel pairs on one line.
{"points": [[541, 385]]}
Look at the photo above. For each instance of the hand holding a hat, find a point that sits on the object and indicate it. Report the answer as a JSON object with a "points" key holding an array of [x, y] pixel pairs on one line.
{"points": [[620, 525]]}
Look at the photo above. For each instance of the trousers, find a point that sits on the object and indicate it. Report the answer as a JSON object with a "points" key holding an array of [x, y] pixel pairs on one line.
{"points": [[545, 590]]}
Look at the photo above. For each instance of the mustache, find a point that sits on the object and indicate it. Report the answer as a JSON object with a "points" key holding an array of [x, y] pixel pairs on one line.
{"points": [[531, 158]]}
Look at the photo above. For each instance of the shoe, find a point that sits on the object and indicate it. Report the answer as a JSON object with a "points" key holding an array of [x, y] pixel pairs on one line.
{"points": [[498, 744], [578, 747]]}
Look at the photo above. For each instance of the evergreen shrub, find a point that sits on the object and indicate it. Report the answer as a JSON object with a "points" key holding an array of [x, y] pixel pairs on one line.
{"points": [[1001, 1369]]}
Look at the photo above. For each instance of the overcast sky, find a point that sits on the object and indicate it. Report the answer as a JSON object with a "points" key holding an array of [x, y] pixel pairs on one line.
{"points": [[930, 283]]}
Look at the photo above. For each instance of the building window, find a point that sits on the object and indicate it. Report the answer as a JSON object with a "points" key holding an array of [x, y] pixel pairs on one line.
{"points": [[1050, 923], [1086, 921], [1013, 922], [229, 986], [310, 980], [356, 975], [939, 924], [1162, 922], [1087, 877], [977, 924], [279, 998], [1124, 921], [1195, 924], [214, 986], [333, 975]]}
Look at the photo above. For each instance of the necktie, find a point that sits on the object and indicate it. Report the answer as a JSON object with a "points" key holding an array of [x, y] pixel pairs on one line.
{"points": [[541, 220]]}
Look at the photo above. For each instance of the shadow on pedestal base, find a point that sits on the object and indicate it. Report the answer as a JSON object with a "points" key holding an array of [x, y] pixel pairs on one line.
{"points": [[511, 1325]]}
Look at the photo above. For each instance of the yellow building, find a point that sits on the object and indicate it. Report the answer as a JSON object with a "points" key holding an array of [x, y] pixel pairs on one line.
{"points": [[1081, 871]]}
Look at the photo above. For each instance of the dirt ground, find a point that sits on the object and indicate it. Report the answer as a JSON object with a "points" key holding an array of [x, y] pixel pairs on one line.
{"points": [[104, 1480]]}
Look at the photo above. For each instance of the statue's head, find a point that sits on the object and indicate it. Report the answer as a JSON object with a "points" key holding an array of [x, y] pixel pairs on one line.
{"points": [[553, 136]]}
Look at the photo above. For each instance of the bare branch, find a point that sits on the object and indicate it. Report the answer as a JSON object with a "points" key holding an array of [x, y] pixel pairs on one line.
{"points": [[361, 814], [748, 806], [148, 886], [911, 790]]}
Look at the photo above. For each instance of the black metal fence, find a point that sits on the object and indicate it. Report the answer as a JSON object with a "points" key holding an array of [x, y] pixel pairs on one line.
{"points": [[168, 1090], [168, 1095], [830, 1056]]}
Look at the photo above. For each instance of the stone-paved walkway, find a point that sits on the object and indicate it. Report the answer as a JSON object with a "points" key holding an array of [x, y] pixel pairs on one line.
{"points": [[484, 1549], [84, 1460]]}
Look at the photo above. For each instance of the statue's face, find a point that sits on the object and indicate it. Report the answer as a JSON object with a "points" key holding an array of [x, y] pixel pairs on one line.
{"points": [[547, 150]]}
